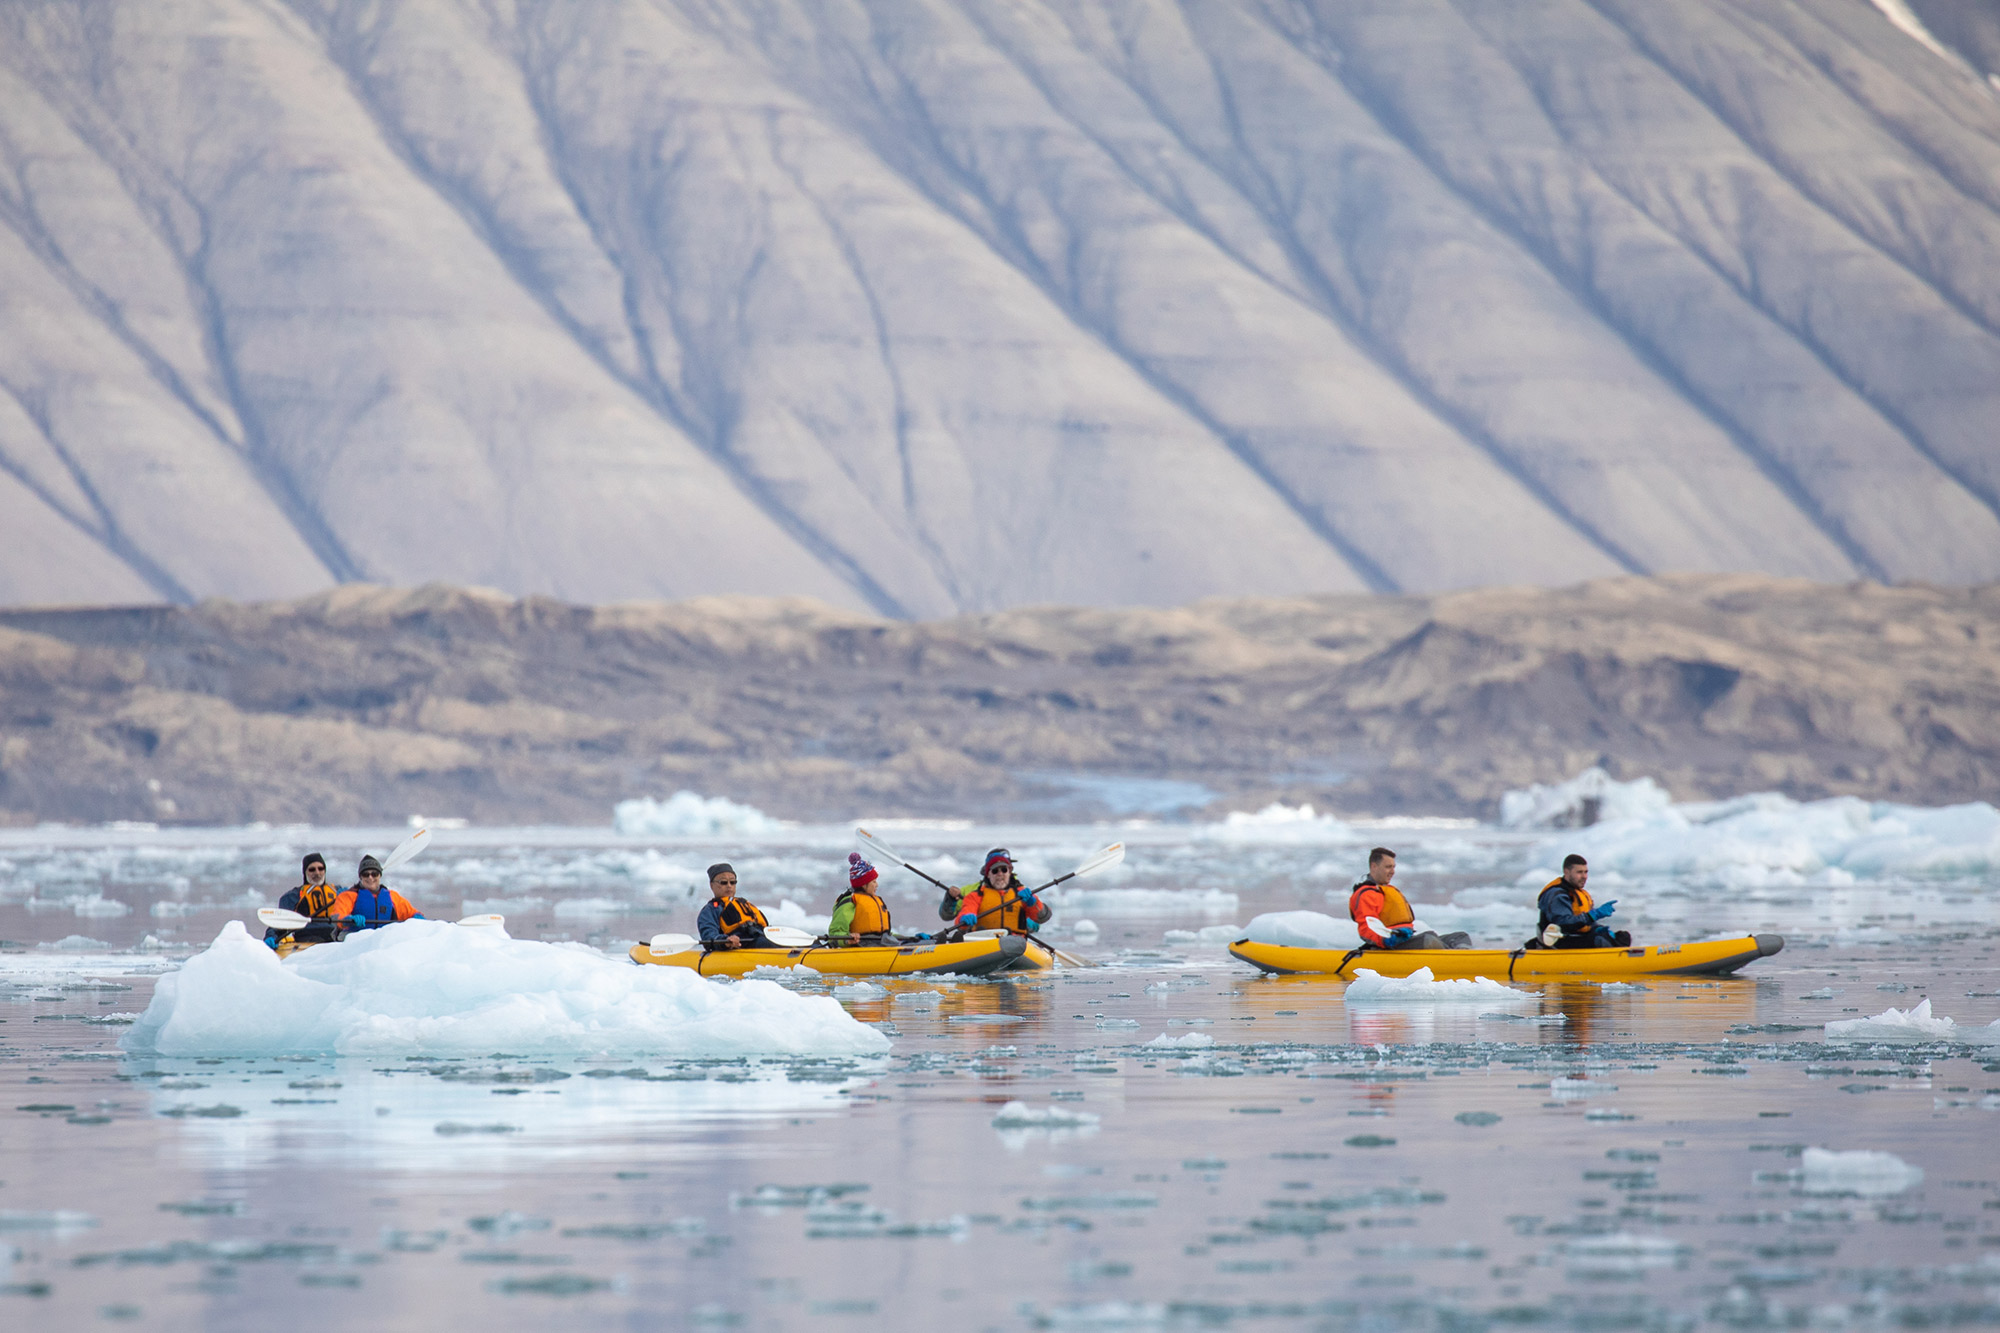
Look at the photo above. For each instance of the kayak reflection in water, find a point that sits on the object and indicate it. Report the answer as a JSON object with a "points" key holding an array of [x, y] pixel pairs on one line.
{"points": [[371, 904], [1570, 915], [999, 901], [315, 899], [727, 921], [1382, 914]]}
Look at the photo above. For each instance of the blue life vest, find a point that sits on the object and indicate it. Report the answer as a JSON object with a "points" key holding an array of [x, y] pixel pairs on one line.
{"points": [[374, 906]]}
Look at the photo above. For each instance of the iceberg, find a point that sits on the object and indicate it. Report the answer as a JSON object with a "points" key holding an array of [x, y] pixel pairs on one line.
{"points": [[1422, 987], [1186, 1041], [1914, 1024], [1769, 838], [1586, 799], [688, 814], [1863, 1173], [1303, 930], [426, 987]]}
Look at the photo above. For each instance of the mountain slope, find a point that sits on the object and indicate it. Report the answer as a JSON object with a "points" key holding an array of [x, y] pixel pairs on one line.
{"points": [[921, 307]]}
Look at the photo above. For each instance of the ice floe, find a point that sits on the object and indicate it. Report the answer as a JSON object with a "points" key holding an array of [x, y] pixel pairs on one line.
{"points": [[1588, 798], [1863, 1173], [1421, 987], [1916, 1023], [1020, 1115], [859, 990], [1186, 1041], [431, 988], [1278, 822], [1206, 935], [688, 814], [1144, 902], [1303, 930]]}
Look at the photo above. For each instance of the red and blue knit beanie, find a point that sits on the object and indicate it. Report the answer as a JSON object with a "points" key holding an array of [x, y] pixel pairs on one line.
{"points": [[997, 854], [859, 872]]}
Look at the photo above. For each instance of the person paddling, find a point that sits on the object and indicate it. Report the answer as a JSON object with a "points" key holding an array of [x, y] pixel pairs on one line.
{"points": [[727, 921], [371, 904], [859, 915], [1570, 915], [1383, 917], [999, 901], [314, 898]]}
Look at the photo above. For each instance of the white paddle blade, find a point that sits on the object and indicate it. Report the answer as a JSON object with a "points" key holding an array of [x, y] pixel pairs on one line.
{"points": [[489, 920], [406, 849], [1101, 860], [985, 934], [671, 943], [879, 847], [277, 918], [789, 936]]}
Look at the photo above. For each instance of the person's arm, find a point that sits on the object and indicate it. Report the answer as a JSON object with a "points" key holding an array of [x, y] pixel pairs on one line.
{"points": [[404, 911], [1558, 906], [843, 920], [1368, 904], [709, 924], [948, 904], [342, 906], [289, 901]]}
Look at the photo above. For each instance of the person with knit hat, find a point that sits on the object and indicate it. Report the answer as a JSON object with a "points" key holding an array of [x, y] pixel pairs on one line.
{"points": [[859, 915], [999, 901], [727, 921], [314, 898], [371, 904]]}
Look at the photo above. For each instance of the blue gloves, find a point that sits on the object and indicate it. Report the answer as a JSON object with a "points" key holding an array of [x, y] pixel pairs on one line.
{"points": [[968, 921], [922, 935], [355, 923], [1401, 935], [1599, 913]]}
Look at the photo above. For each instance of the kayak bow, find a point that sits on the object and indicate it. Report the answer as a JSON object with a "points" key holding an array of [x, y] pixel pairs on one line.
{"points": [[1704, 958]]}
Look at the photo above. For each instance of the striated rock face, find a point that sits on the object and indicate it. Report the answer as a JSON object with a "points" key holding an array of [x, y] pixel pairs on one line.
{"points": [[928, 307], [367, 703]]}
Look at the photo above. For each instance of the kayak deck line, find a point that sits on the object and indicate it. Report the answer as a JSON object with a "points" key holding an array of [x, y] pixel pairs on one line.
{"points": [[965, 958], [1704, 958]]}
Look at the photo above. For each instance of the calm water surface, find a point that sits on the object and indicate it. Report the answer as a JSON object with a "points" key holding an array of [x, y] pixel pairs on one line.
{"points": [[1592, 1158]]}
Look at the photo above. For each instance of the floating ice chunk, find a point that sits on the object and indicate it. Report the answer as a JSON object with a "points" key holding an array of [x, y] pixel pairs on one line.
{"points": [[1823, 993], [1623, 1254], [1564, 1088], [1020, 1115], [774, 972], [1864, 1173], [59, 1222], [1303, 930], [860, 990], [1914, 1024], [1206, 935], [1616, 987], [1278, 822], [77, 944], [1588, 798], [920, 999], [1144, 902], [1084, 930], [1186, 1041], [1420, 987], [688, 814], [430, 987], [789, 913]]}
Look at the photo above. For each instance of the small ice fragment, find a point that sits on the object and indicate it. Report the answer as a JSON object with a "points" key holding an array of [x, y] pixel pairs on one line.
{"points": [[1420, 986], [1607, 1113], [1915, 1024], [1477, 1118], [1823, 993], [1105, 1023], [860, 990], [1561, 1088], [920, 999], [1020, 1115], [1865, 1173], [1612, 987], [1186, 1040], [772, 972], [56, 1222], [1084, 930]]}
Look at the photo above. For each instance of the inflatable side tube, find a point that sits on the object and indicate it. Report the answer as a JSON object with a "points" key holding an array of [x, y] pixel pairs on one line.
{"points": [[1766, 945]]}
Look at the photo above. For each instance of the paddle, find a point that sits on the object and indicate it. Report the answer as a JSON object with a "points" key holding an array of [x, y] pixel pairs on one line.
{"points": [[1102, 859], [668, 942], [406, 849], [277, 918]]}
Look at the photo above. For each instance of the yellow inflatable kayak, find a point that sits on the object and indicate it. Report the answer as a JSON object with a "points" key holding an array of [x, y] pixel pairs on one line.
{"points": [[968, 958], [1708, 958]]}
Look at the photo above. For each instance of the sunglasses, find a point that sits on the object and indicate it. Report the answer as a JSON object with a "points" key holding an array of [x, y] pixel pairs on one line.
{"points": [[371, 874]]}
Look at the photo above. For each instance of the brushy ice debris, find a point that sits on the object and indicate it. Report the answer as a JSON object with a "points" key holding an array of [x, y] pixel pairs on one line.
{"points": [[1421, 987], [1769, 838], [1620, 987], [1303, 930], [1823, 993], [77, 944], [1020, 1115], [97, 905], [1186, 1041], [61, 1223], [1867, 1174], [1280, 823], [1590, 797], [427, 987], [774, 972], [1563, 1089], [1206, 935], [1913, 1024], [688, 814], [860, 990]]}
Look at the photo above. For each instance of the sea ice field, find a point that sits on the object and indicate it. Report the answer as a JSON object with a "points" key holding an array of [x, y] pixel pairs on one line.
{"points": [[437, 1126]]}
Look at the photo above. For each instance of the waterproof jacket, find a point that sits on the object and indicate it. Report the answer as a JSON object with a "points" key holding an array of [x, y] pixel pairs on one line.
{"points": [[723, 917], [1560, 905], [1384, 902], [379, 907], [315, 901], [862, 915], [1013, 908]]}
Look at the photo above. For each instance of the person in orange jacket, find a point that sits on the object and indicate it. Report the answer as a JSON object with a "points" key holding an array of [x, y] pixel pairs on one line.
{"points": [[1000, 901], [371, 904], [1383, 917]]}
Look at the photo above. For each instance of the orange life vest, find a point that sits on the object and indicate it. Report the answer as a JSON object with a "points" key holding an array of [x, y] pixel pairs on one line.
{"points": [[998, 909], [735, 914], [1580, 900], [1395, 907], [871, 914], [317, 899]]}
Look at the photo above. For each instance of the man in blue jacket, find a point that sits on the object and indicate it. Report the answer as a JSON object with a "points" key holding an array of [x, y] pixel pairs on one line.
{"points": [[1570, 916]]}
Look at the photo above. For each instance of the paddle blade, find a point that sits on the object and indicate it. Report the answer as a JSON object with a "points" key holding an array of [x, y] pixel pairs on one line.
{"points": [[1100, 860], [277, 918], [489, 920], [789, 936], [406, 849], [879, 848], [671, 943]]}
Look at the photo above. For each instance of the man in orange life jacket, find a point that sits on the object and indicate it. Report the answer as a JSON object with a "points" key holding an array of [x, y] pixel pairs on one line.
{"points": [[371, 904], [314, 898], [727, 921], [1382, 914], [1000, 901], [1570, 916]]}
